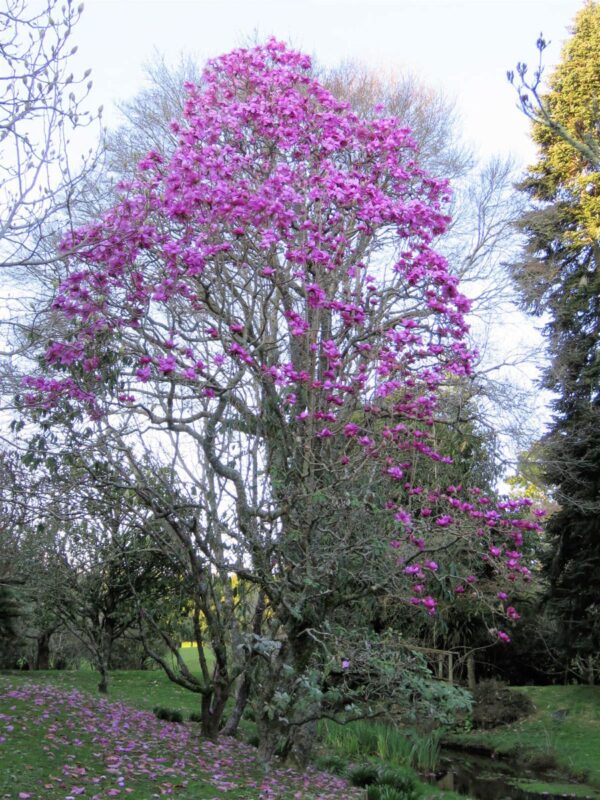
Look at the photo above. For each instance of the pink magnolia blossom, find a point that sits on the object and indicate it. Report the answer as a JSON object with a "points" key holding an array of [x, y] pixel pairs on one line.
{"points": [[271, 169]]}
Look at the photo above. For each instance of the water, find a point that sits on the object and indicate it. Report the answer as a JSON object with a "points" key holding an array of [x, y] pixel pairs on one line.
{"points": [[489, 779]]}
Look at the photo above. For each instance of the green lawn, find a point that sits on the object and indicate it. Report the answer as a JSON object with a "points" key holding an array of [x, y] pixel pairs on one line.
{"points": [[571, 738], [143, 689], [61, 740], [50, 724]]}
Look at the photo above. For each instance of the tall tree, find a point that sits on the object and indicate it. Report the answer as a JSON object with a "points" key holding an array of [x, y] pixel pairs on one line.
{"points": [[267, 301], [559, 279]]}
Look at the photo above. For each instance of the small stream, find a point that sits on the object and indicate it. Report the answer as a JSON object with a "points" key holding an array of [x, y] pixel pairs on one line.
{"points": [[486, 778]]}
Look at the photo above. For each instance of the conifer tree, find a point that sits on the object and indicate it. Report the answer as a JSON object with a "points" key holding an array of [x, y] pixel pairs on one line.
{"points": [[559, 279]]}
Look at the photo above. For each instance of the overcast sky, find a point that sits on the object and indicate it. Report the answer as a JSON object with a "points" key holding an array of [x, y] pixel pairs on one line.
{"points": [[461, 46]]}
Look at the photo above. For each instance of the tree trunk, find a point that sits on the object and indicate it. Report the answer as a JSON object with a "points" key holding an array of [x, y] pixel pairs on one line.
{"points": [[303, 740], [211, 710], [42, 657], [241, 700], [104, 656], [270, 737], [103, 683], [243, 692]]}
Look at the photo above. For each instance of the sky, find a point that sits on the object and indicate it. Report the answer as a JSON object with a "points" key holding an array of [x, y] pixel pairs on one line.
{"points": [[463, 47]]}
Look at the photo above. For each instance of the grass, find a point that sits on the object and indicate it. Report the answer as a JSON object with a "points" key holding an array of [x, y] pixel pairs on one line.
{"points": [[362, 739], [143, 689], [365, 739], [59, 739], [564, 789], [573, 741], [375, 745]]}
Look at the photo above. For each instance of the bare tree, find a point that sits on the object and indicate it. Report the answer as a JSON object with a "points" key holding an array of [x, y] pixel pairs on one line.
{"points": [[46, 162], [40, 106]]}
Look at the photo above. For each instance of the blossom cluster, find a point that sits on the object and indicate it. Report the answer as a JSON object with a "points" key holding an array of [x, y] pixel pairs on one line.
{"points": [[284, 249]]}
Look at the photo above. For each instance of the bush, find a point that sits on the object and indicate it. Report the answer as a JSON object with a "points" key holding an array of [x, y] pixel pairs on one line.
{"points": [[168, 714], [66, 651], [195, 717], [331, 763], [400, 779], [495, 704], [253, 740], [363, 775], [12, 653]]}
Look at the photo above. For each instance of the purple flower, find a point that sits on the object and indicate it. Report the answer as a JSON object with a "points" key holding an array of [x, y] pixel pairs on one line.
{"points": [[430, 604], [167, 364], [395, 472], [325, 433], [404, 517]]}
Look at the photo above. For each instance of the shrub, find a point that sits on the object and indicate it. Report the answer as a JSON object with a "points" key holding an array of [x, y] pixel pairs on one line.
{"points": [[401, 783], [168, 714], [195, 717], [542, 762], [400, 779], [253, 740], [495, 704], [129, 653], [363, 775]]}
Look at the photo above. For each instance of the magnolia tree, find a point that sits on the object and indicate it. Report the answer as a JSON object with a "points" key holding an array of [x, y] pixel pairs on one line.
{"points": [[268, 299]]}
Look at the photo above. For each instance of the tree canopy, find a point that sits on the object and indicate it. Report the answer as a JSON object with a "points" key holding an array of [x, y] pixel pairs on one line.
{"points": [[559, 278]]}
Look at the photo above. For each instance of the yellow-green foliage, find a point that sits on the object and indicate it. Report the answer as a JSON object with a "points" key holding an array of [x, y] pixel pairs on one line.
{"points": [[573, 102]]}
